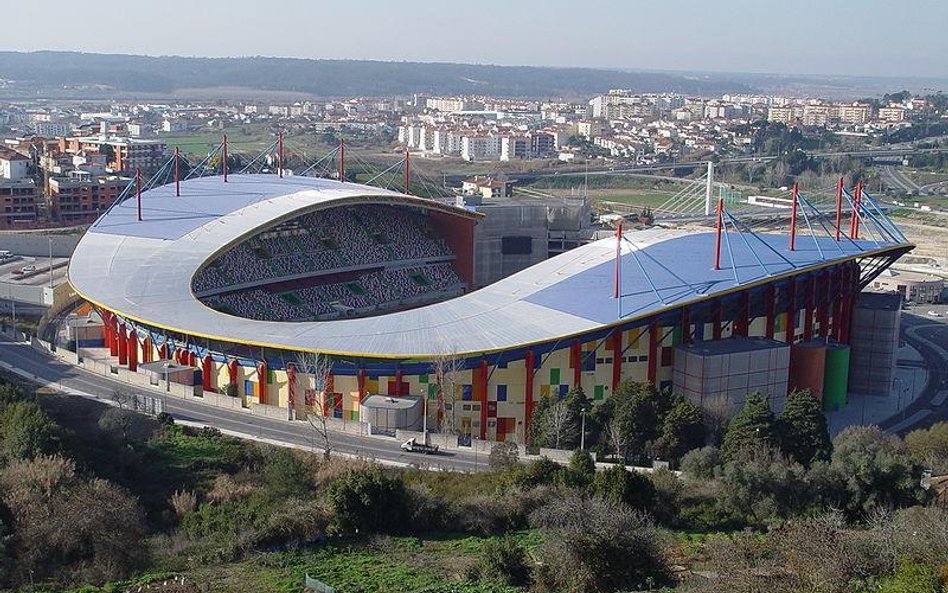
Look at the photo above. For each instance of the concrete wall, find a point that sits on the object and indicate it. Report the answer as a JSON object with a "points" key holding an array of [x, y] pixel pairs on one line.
{"points": [[37, 243]]}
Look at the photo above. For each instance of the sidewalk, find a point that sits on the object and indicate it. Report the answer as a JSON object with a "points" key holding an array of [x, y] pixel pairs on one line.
{"points": [[911, 378]]}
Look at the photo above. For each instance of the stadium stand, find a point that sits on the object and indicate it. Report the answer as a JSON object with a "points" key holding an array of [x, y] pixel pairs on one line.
{"points": [[334, 258]]}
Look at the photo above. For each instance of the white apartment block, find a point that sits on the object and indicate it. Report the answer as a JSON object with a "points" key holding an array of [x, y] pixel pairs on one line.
{"points": [[480, 147]]}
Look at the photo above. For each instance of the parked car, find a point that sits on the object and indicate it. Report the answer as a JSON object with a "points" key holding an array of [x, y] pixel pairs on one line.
{"points": [[934, 313], [26, 269]]}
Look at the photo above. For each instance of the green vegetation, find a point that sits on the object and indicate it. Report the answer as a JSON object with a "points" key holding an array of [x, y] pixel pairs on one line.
{"points": [[103, 499]]}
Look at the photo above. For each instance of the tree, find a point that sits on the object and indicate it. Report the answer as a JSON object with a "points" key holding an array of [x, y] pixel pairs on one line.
{"points": [[870, 470], [802, 429], [447, 368], [702, 463], [930, 446], [126, 426], [582, 465], [67, 524], [683, 429], [637, 409], [27, 431], [369, 501], [553, 424], [620, 485], [764, 486], [752, 429], [319, 367]]}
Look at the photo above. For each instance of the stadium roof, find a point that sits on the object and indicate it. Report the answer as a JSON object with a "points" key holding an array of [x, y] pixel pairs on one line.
{"points": [[143, 271]]}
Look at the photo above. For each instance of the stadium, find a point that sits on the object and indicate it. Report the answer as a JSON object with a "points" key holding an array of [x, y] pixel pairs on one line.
{"points": [[245, 279]]}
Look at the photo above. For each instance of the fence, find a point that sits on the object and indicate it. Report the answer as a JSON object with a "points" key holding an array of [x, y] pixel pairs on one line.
{"points": [[312, 584]]}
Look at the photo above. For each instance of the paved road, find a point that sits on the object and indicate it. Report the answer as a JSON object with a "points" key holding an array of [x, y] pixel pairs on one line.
{"points": [[73, 379], [896, 179], [928, 335]]}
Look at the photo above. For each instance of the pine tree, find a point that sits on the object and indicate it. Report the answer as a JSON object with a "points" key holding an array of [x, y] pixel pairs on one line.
{"points": [[682, 430], [803, 432], [753, 428]]}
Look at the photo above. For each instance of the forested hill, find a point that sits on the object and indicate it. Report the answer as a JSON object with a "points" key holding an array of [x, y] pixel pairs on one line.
{"points": [[331, 78]]}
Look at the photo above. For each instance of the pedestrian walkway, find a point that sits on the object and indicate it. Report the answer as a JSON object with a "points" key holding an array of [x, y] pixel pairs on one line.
{"points": [[911, 378]]}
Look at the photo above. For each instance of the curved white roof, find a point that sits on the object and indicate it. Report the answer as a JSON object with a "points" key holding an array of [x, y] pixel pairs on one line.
{"points": [[143, 271]]}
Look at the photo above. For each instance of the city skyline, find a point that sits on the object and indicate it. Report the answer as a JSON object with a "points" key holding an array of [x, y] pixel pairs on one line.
{"points": [[844, 38]]}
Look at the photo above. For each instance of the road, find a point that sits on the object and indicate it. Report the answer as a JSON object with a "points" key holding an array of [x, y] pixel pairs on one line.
{"points": [[896, 179], [928, 335], [69, 378]]}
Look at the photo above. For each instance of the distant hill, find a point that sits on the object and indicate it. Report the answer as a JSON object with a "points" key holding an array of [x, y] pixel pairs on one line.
{"points": [[116, 73]]}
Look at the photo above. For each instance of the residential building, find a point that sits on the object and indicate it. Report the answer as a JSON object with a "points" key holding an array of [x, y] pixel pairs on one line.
{"points": [[782, 114], [589, 128], [13, 165], [480, 147], [514, 148], [124, 154], [892, 114], [853, 113], [17, 203], [82, 198]]}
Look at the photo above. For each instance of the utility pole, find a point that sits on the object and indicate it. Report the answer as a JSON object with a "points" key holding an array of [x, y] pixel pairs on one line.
{"points": [[50, 261], [582, 434], [709, 189]]}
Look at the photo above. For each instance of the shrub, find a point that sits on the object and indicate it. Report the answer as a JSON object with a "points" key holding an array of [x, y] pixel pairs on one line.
{"points": [[286, 475], [765, 487], [490, 515], [870, 470], [369, 501], [504, 562], [619, 485], [592, 544], [503, 456], [26, 431], [702, 464], [183, 502]]}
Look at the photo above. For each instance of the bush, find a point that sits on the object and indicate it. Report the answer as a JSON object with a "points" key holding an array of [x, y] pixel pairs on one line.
{"points": [[582, 466], [286, 475], [504, 562], [504, 456], [543, 471], [871, 470], [930, 446], [26, 431], [619, 485], [369, 501], [592, 544], [765, 488], [702, 464], [491, 515]]}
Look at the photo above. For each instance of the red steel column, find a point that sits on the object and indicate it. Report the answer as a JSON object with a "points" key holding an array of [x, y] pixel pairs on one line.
{"points": [[113, 336], [717, 238], [793, 218], [291, 386], [770, 305], [360, 382], [823, 306], [262, 382], [528, 363], [482, 393], [232, 374], [791, 310], [839, 207], [616, 339], [122, 344], [576, 360], [131, 345], [398, 382], [653, 352], [146, 349], [207, 367]]}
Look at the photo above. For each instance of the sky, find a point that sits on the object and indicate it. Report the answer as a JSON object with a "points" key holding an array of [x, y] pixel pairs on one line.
{"points": [[904, 38]]}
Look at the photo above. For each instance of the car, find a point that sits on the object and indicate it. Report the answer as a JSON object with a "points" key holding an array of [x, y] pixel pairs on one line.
{"points": [[934, 314], [26, 269], [413, 446]]}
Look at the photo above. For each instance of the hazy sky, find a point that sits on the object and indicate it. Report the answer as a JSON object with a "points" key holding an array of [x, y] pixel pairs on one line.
{"points": [[858, 37]]}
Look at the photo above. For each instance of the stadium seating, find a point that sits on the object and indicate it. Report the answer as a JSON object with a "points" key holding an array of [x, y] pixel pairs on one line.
{"points": [[327, 264]]}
